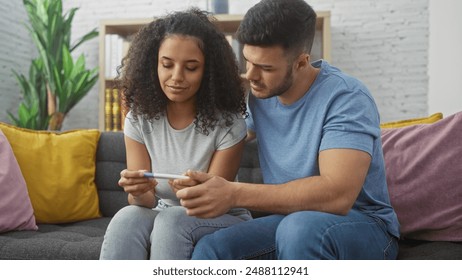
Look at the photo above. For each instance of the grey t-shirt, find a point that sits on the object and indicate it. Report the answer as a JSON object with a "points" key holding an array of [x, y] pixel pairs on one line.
{"points": [[175, 151]]}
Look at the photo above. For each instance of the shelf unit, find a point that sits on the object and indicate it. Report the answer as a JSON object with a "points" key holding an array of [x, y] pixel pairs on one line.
{"points": [[227, 23]]}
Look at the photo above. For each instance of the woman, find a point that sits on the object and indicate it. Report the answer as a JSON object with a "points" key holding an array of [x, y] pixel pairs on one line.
{"points": [[180, 82]]}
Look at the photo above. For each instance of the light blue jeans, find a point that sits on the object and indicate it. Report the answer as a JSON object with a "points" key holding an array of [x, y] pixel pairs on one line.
{"points": [[305, 235], [139, 233]]}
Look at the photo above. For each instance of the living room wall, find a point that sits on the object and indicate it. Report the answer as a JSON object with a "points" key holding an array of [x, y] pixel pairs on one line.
{"points": [[16, 51], [383, 43], [445, 57]]}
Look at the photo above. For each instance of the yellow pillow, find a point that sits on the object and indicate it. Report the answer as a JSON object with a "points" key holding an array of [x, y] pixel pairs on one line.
{"points": [[427, 120], [59, 170]]}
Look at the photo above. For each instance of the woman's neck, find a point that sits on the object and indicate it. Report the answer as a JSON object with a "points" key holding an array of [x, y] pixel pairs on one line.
{"points": [[181, 115]]}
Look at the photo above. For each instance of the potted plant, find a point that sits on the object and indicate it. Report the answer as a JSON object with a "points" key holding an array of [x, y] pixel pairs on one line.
{"points": [[65, 81], [32, 112]]}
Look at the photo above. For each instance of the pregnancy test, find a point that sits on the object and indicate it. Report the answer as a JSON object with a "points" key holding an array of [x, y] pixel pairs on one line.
{"points": [[164, 176]]}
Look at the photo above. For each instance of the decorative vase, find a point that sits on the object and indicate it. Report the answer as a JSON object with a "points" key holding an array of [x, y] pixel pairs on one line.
{"points": [[219, 6]]}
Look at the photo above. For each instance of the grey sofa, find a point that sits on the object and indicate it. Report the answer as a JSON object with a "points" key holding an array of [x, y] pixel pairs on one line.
{"points": [[82, 240]]}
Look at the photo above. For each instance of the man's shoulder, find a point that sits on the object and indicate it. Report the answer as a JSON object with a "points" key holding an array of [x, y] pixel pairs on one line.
{"points": [[334, 78]]}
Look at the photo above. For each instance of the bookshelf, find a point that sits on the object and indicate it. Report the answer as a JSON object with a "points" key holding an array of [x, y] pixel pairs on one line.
{"points": [[114, 38]]}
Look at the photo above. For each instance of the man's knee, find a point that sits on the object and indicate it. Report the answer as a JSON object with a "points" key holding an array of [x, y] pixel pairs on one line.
{"points": [[300, 236], [295, 228], [207, 248]]}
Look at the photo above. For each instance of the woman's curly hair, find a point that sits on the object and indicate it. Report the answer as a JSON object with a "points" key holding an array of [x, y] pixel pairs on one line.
{"points": [[221, 90]]}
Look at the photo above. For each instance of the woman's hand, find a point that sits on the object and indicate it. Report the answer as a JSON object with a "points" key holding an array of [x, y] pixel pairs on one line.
{"points": [[139, 187]]}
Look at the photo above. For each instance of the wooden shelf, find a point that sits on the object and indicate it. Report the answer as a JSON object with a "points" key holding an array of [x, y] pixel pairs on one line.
{"points": [[227, 23]]}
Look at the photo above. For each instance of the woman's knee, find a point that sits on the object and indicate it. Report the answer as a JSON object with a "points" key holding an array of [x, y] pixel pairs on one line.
{"points": [[125, 215], [132, 217], [172, 223], [172, 217]]}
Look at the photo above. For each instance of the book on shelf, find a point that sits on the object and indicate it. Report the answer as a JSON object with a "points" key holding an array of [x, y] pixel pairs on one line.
{"points": [[108, 109], [116, 48], [114, 110], [123, 111]]}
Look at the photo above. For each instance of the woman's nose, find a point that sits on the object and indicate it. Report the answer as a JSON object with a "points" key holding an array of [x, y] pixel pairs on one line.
{"points": [[177, 75]]}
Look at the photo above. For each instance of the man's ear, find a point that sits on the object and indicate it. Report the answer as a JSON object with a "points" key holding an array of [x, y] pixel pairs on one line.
{"points": [[303, 61]]}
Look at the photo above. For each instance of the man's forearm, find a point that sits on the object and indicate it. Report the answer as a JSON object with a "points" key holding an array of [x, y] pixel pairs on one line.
{"points": [[312, 193]]}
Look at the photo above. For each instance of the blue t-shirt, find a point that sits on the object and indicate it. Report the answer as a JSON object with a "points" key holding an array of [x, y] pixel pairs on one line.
{"points": [[337, 112]]}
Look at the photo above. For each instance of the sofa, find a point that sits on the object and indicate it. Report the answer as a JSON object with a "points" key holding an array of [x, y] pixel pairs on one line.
{"points": [[81, 240]]}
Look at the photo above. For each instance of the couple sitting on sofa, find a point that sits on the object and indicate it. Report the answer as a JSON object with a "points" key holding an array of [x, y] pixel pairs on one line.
{"points": [[318, 134]]}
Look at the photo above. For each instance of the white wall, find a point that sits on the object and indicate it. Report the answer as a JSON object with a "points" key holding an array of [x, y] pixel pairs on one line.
{"points": [[445, 57], [383, 43], [16, 51]]}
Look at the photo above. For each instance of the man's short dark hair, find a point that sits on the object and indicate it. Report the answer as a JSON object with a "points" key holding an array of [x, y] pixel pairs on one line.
{"points": [[290, 24]]}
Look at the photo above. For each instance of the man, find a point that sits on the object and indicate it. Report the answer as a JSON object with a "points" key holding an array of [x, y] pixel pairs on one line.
{"points": [[320, 152]]}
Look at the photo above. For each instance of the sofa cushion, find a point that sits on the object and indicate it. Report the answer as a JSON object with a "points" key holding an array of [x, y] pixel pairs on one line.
{"points": [[424, 178], [402, 123], [110, 160], [16, 211], [71, 241], [59, 170]]}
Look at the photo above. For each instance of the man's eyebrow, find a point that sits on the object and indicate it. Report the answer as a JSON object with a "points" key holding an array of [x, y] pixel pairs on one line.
{"points": [[259, 65]]}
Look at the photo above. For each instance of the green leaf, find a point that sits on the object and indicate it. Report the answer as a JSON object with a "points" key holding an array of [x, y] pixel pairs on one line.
{"points": [[23, 113], [57, 82], [13, 119], [54, 68], [90, 35], [68, 63]]}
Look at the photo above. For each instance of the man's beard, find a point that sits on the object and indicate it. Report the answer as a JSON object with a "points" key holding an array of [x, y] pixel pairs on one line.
{"points": [[282, 87]]}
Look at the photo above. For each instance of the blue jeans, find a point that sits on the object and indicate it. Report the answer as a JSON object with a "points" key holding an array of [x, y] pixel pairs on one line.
{"points": [[305, 235], [139, 233]]}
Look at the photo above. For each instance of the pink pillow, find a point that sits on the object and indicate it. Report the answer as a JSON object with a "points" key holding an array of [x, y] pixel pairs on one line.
{"points": [[424, 174], [16, 211]]}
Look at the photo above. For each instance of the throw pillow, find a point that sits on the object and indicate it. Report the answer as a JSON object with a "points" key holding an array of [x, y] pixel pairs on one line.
{"points": [[16, 211], [423, 164], [430, 119], [59, 170]]}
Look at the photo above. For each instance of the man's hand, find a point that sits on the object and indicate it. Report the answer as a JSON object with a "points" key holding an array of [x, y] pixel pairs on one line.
{"points": [[179, 184], [212, 197]]}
